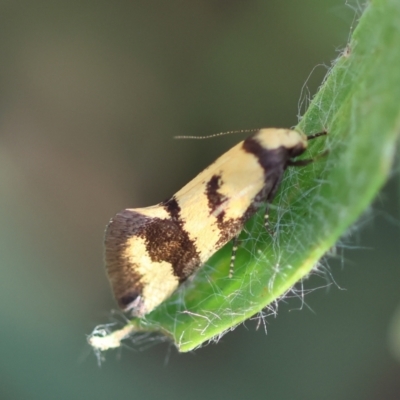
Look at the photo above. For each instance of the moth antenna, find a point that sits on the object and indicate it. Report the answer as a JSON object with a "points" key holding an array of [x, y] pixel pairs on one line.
{"points": [[217, 134], [315, 135]]}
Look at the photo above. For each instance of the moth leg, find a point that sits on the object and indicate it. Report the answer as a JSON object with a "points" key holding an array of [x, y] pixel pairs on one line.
{"points": [[300, 163], [235, 244], [266, 221], [304, 162]]}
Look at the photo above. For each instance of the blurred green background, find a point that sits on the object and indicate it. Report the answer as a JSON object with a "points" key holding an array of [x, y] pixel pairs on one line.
{"points": [[91, 94]]}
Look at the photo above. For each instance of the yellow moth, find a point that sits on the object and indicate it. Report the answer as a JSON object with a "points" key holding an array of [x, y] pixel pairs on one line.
{"points": [[150, 251]]}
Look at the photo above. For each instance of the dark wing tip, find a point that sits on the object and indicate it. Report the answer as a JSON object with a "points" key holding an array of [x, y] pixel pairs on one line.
{"points": [[123, 277]]}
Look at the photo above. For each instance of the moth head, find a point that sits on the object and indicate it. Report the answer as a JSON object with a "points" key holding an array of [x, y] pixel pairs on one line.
{"points": [[272, 138]]}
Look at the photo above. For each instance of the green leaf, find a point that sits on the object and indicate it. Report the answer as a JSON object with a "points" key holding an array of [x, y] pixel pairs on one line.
{"points": [[359, 105]]}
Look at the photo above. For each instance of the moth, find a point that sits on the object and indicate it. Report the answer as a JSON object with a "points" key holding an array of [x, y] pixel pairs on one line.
{"points": [[150, 251]]}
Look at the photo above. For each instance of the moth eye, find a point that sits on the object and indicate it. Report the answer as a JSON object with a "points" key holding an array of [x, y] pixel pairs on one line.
{"points": [[297, 150]]}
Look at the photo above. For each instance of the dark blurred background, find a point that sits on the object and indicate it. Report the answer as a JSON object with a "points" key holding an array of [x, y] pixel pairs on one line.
{"points": [[91, 94]]}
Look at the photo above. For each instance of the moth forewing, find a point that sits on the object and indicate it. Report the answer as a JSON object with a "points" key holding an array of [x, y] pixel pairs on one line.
{"points": [[150, 251]]}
